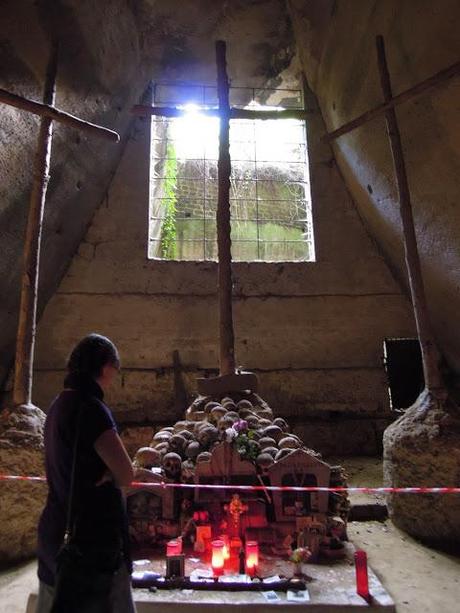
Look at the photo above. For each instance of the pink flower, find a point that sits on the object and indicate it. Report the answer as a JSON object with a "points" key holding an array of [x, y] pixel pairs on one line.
{"points": [[241, 425]]}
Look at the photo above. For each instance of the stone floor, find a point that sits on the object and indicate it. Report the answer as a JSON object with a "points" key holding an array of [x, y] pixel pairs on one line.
{"points": [[419, 579]]}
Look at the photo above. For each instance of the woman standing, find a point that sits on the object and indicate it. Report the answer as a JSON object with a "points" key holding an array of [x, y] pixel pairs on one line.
{"points": [[79, 425]]}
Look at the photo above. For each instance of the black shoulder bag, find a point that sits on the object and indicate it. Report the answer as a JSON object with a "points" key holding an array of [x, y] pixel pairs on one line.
{"points": [[84, 574]]}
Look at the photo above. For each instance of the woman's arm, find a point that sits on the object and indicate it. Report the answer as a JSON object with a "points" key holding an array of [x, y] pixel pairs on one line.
{"points": [[113, 453]]}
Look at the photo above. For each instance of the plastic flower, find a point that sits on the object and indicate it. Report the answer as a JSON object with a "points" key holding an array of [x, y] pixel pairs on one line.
{"points": [[240, 426], [230, 434], [301, 554]]}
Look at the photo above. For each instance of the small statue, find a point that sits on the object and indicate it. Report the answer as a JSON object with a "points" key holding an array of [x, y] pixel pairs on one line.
{"points": [[185, 513]]}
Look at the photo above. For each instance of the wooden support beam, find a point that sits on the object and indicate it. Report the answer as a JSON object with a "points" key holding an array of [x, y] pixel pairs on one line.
{"points": [[234, 113], [224, 243], [269, 114], [142, 110], [405, 96], [430, 358], [25, 342], [48, 111]]}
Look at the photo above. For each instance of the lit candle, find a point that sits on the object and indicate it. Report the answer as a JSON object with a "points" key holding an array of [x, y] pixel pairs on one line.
{"points": [[217, 561], [225, 539], [174, 548], [252, 557], [362, 581]]}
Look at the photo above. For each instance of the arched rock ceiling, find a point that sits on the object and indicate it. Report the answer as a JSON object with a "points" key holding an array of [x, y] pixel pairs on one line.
{"points": [[336, 42], [110, 50]]}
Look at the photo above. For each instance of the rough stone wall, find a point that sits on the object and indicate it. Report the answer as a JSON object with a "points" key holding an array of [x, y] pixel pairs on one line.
{"points": [[336, 42], [312, 331], [109, 50]]}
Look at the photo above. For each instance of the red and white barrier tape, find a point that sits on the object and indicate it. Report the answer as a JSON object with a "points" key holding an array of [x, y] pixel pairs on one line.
{"points": [[272, 488]]}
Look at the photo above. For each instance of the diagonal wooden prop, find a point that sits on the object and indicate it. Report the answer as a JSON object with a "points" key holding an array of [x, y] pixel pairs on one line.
{"points": [[430, 356], [427, 85], [25, 342]]}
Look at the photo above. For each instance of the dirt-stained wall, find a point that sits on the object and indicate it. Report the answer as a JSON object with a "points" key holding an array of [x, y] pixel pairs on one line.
{"points": [[312, 331], [336, 42], [109, 50]]}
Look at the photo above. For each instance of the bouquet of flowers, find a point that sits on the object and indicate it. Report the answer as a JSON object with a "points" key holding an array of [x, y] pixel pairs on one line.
{"points": [[299, 555], [243, 438]]}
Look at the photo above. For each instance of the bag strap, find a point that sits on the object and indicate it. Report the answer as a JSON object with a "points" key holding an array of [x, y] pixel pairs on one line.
{"points": [[69, 526]]}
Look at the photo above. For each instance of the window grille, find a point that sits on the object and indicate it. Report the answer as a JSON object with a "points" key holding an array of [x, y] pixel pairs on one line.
{"points": [[270, 192]]}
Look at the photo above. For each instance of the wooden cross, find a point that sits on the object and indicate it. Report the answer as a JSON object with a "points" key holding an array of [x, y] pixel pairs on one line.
{"points": [[430, 357], [229, 380], [25, 341]]}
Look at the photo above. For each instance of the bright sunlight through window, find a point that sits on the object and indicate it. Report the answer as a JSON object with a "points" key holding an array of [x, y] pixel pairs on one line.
{"points": [[269, 197]]}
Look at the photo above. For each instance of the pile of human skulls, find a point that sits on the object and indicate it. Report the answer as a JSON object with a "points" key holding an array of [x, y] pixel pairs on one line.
{"points": [[175, 450]]}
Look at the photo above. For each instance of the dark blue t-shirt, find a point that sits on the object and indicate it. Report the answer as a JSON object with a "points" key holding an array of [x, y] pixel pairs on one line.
{"points": [[98, 511]]}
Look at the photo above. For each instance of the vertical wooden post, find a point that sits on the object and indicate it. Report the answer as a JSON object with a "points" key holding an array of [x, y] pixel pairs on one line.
{"points": [[25, 343], [224, 243], [430, 358]]}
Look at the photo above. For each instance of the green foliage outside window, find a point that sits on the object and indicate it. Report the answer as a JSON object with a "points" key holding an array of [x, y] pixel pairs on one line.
{"points": [[169, 226]]}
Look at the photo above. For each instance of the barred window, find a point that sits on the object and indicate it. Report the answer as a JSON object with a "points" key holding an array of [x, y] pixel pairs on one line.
{"points": [[270, 192]]}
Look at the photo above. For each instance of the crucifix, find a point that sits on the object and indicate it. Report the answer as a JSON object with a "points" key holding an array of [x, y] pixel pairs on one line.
{"points": [[430, 357], [25, 341], [228, 380]]}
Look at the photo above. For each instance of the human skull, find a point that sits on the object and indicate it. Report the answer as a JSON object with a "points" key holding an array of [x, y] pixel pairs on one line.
{"points": [[147, 457], [162, 436], [288, 442], [253, 422], [162, 447], [188, 471], [282, 453], [192, 416], [192, 450], [228, 403], [187, 435], [263, 463], [182, 425], [172, 465], [263, 423], [271, 450], [224, 423], [210, 405], [266, 413], [207, 436], [244, 404], [273, 432], [200, 425], [281, 423], [244, 413], [204, 456], [177, 443], [216, 413], [233, 415], [267, 441]]}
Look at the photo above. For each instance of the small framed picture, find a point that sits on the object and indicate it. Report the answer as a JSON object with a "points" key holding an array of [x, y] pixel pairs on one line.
{"points": [[175, 566]]}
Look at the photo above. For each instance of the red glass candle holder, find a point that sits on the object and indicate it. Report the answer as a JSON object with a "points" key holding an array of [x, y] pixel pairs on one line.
{"points": [[226, 541], [174, 547], [252, 557], [217, 560], [362, 580]]}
